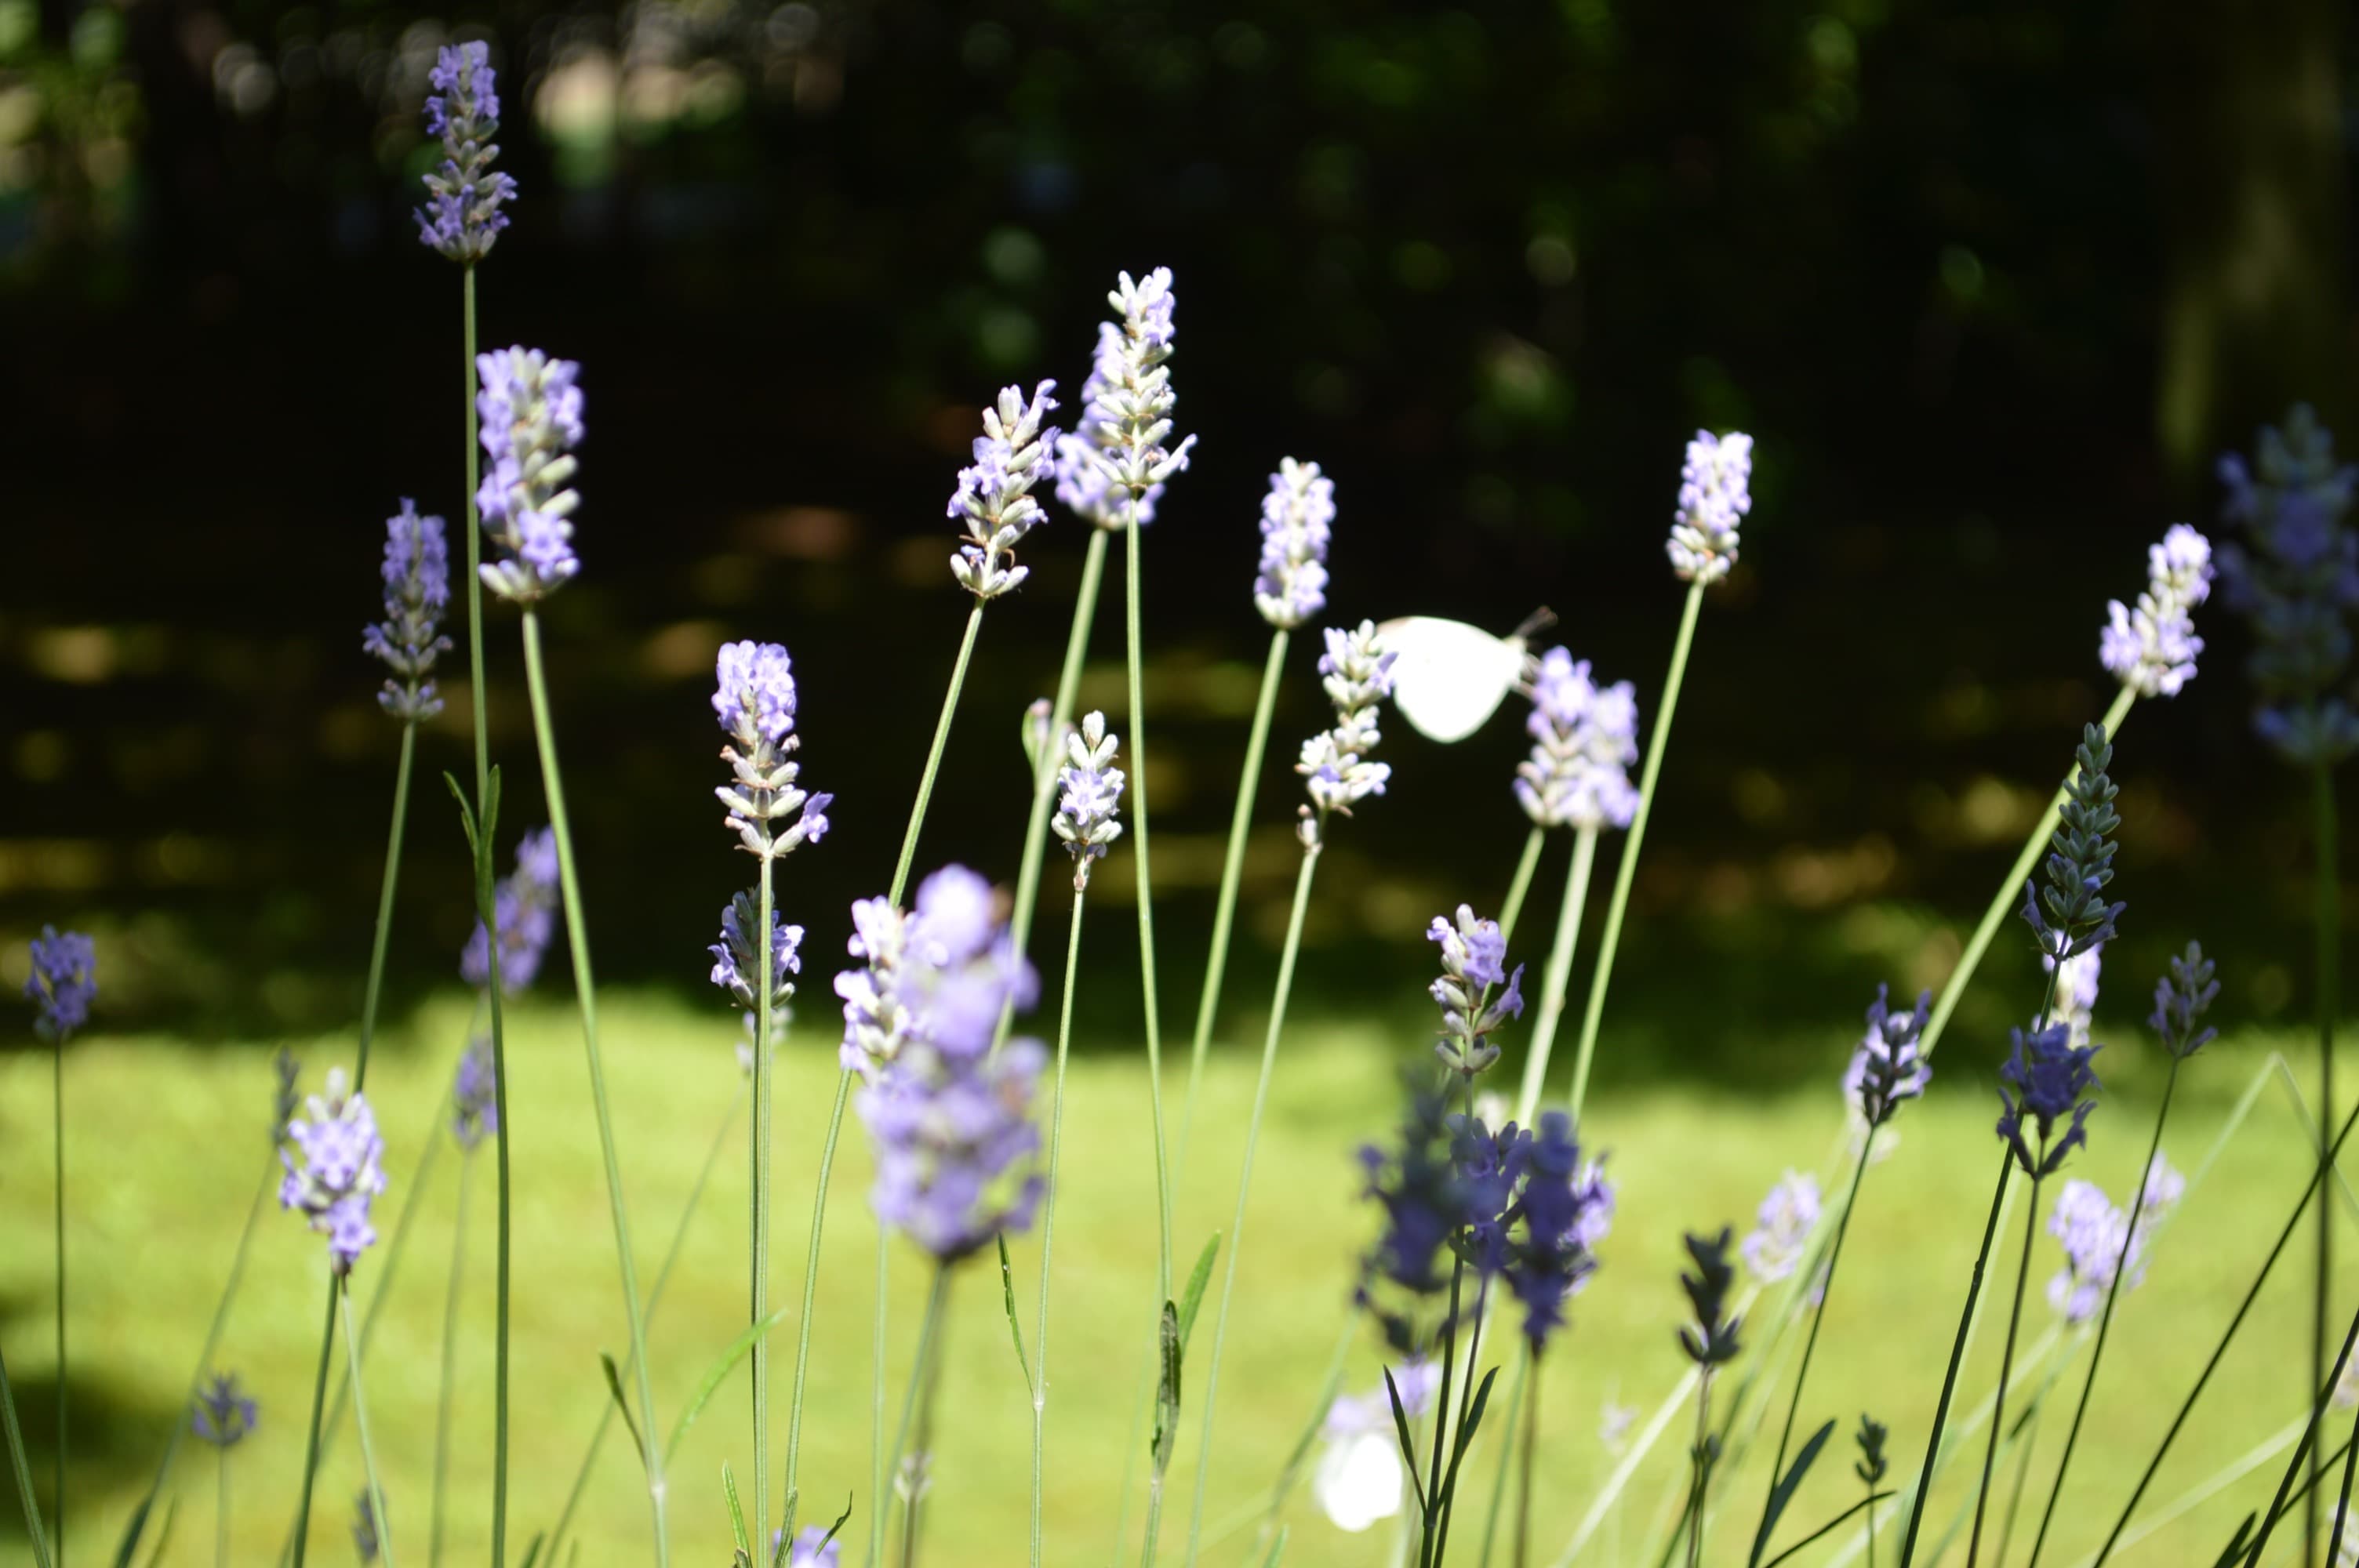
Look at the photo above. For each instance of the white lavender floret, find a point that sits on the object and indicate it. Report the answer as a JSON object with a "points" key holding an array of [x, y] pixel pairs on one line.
{"points": [[1357, 674], [2152, 649], [2076, 989], [1787, 1215], [1091, 793], [1584, 738], [1716, 493], [1112, 469], [994, 494], [1298, 518], [333, 1170]]}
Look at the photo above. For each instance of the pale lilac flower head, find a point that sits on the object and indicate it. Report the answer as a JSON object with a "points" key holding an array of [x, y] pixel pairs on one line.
{"points": [[2161, 1190], [474, 1095], [754, 697], [1091, 792], [2076, 989], [530, 406], [1584, 738], [1358, 673], [994, 495], [2046, 1079], [2093, 1232], [1298, 519], [1787, 1215], [936, 979], [955, 1144], [461, 217], [754, 693], [737, 963], [221, 1415], [416, 591], [333, 1170], [1475, 991], [525, 907], [63, 982], [1716, 493], [2152, 649], [1114, 465], [1887, 1067]]}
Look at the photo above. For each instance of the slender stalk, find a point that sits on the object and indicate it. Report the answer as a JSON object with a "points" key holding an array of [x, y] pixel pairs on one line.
{"points": [[1557, 979], [57, 1190], [1516, 1393], [2304, 1449], [474, 538], [450, 1361], [577, 937], [2006, 1365], [2105, 1320], [1131, 593], [1703, 1469], [386, 887], [2028, 1435], [1049, 1216], [810, 1285], [1521, 883], [1233, 865], [878, 1461], [1245, 1186], [2342, 1501], [1524, 1491], [312, 1448], [1957, 1355], [221, 1514], [759, 1266], [1626, 872], [917, 1377], [24, 1471], [934, 752], [1447, 1500], [360, 1424], [2330, 898]]}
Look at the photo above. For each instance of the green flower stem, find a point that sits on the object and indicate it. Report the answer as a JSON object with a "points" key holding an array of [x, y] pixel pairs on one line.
{"points": [[2006, 1365], [1048, 1214], [1233, 865], [221, 1513], [311, 1447], [57, 1190], [2029, 1440], [759, 1266], [919, 1379], [385, 888], [2009, 896], [1499, 1482], [1527, 863], [24, 1472], [878, 1463], [1702, 1465], [655, 1302], [934, 752], [1626, 872], [1147, 907], [360, 1424], [2105, 1320], [2306, 1449], [444, 1400], [2330, 899], [1558, 977], [577, 937], [1524, 1489], [1957, 1354], [1245, 1186]]}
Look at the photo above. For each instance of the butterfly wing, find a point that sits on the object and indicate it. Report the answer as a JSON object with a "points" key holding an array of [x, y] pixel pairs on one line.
{"points": [[1449, 676]]}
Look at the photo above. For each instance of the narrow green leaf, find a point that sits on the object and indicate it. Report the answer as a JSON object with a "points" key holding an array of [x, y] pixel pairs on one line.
{"points": [[532, 1547], [133, 1531], [1465, 1436], [840, 1518], [1868, 1501], [2240, 1544], [1409, 1444], [1783, 1492], [1276, 1548], [736, 1514], [1167, 1392], [1194, 1296], [475, 846], [492, 807], [614, 1386], [716, 1374], [164, 1532], [1008, 1294]]}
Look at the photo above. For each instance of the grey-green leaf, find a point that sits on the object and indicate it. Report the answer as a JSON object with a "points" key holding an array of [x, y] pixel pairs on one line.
{"points": [[1167, 1393], [736, 1513], [1007, 1293], [614, 1386], [715, 1375], [1787, 1485], [1194, 1296]]}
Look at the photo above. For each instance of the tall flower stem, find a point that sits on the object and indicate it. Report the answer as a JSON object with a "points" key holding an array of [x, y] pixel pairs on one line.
{"points": [[1521, 883], [1524, 1488], [577, 937], [2105, 1320], [2330, 898], [1233, 865], [221, 1513], [2305, 1451], [919, 1377], [1559, 977], [359, 1425], [1957, 1355], [759, 1266], [1516, 1391], [1626, 872], [1701, 1486], [934, 752], [2005, 1365], [319, 1401], [57, 1191], [24, 1471], [1048, 1216], [1237, 1224], [1131, 587], [450, 1361]]}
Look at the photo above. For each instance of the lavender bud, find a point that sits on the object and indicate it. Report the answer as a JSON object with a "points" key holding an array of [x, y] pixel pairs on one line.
{"points": [[221, 1414], [333, 1170], [1871, 1463], [1786, 1217], [1297, 521], [2045, 1079], [737, 964], [1091, 793], [1358, 676], [461, 217], [365, 1527], [530, 407], [416, 591], [2152, 649], [1710, 1338], [995, 496], [2180, 1000], [1584, 738], [63, 982], [1716, 493], [2294, 575], [474, 1096], [524, 906], [2080, 860], [1888, 1068], [1474, 965], [1112, 469], [755, 698]]}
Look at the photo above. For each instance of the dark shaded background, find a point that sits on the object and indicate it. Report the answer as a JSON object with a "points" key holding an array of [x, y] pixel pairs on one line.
{"points": [[1989, 283]]}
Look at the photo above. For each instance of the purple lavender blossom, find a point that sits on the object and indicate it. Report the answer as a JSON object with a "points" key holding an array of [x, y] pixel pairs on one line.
{"points": [[994, 495], [1584, 738], [1358, 675], [461, 217], [815, 1547], [2153, 649], [221, 1414], [1112, 469], [1091, 792], [1716, 493], [2180, 1000], [1888, 1068], [530, 407], [955, 1144], [1298, 519], [63, 982], [474, 1096], [936, 979], [1553, 1256], [737, 964], [2093, 1232], [1774, 1248], [2295, 576], [1474, 966], [2071, 916], [416, 591], [525, 905], [755, 698], [2049, 1079], [334, 1170]]}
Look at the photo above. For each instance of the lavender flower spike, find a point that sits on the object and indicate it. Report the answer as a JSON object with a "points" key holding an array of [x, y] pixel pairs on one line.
{"points": [[1112, 469], [63, 983], [1584, 738], [2294, 574], [530, 407], [1359, 675], [1787, 1215], [995, 496], [524, 906], [1298, 519], [221, 1415], [2180, 1000], [1888, 1069], [935, 978], [1474, 966], [474, 1095], [461, 217], [2091, 1231], [2045, 1079], [333, 1170], [2152, 649], [737, 964], [1716, 493], [755, 698], [416, 591], [2071, 916], [1091, 793]]}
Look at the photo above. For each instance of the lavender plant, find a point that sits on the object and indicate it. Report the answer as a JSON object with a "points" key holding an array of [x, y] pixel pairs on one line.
{"points": [[1710, 1340], [61, 985]]}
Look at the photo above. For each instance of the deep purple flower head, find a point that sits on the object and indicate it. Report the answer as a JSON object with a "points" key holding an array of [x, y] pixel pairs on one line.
{"points": [[461, 217], [63, 983], [1423, 1185], [1358, 673], [1584, 738], [530, 407], [994, 495], [1716, 493], [2070, 916], [755, 698], [474, 1095], [1888, 1068], [955, 1144], [936, 979], [2182, 998], [1473, 967], [1298, 519], [365, 1527], [2046, 1079], [1710, 1338], [1090, 794], [416, 591], [333, 1170], [1113, 467], [2152, 649], [221, 1414], [1774, 1248], [737, 963], [1561, 1211], [526, 906]]}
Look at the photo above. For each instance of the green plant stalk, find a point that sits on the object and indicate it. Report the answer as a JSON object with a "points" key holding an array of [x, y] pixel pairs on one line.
{"points": [[1137, 737], [1245, 1186], [1626, 872], [878, 1459], [1957, 1355], [1233, 865], [57, 1148], [758, 1265], [2330, 898], [2304, 1449], [1521, 883], [576, 936], [24, 1471], [385, 896], [312, 1448], [2106, 1319], [934, 752], [1558, 977], [450, 1361], [221, 1513], [2209, 1486], [918, 1379], [1499, 1481], [2028, 1435], [1524, 1490], [1702, 1459], [1448, 1502], [1048, 1213], [654, 1300], [360, 1424], [2005, 1365]]}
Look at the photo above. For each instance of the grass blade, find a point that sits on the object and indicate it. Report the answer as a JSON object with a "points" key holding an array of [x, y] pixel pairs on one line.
{"points": [[614, 1386], [1783, 1492], [714, 1376], [1007, 1297]]}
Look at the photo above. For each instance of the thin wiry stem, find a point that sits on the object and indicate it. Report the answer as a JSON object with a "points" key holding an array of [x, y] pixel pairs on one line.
{"points": [[1521, 883], [759, 1266], [1287, 956], [1515, 1392], [448, 1388], [360, 1424], [918, 1377], [24, 1471], [934, 752], [1049, 1217], [57, 1148], [2330, 903], [1137, 738], [576, 936], [1957, 1355], [1216, 962], [2005, 1365], [1558, 977], [221, 1513], [311, 1447]]}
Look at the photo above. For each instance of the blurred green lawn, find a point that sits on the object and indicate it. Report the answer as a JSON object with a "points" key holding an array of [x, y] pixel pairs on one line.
{"points": [[167, 1142]]}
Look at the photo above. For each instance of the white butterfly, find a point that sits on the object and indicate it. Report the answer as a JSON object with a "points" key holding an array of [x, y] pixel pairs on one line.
{"points": [[1449, 676]]}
